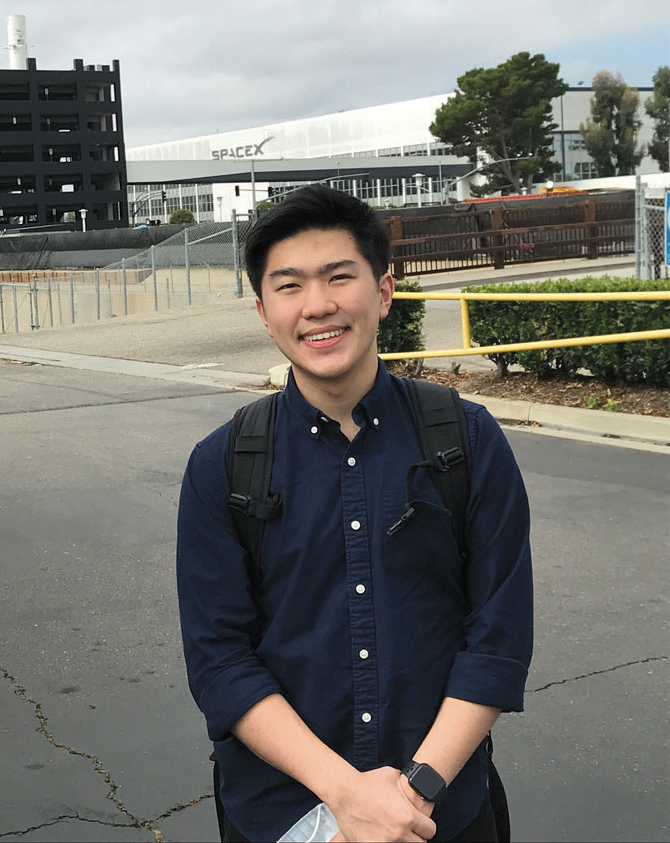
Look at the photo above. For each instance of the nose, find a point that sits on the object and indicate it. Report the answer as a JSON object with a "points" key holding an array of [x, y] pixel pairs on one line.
{"points": [[318, 301]]}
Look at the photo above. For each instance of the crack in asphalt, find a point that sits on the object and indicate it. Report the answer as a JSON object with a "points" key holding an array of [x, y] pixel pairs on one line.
{"points": [[117, 402], [596, 673], [134, 822], [150, 825]]}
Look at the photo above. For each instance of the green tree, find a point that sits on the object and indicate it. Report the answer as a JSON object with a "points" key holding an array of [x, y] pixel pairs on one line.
{"points": [[181, 216], [612, 130], [658, 108], [264, 206], [501, 117]]}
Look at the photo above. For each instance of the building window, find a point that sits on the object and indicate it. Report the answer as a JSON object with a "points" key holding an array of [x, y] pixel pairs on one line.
{"points": [[416, 149], [189, 202], [206, 203], [438, 149], [391, 187], [390, 152]]}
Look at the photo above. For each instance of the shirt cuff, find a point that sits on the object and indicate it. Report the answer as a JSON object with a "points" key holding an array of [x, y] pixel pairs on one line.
{"points": [[224, 703], [487, 680]]}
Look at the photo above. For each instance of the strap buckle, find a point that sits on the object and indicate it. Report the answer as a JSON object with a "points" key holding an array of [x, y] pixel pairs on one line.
{"points": [[447, 459], [241, 503]]}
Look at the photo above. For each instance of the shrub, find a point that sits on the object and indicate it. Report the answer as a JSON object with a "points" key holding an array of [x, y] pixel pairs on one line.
{"points": [[648, 361], [402, 330], [181, 216]]}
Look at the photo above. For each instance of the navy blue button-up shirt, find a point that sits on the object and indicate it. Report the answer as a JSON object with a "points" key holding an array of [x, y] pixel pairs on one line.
{"points": [[362, 632]]}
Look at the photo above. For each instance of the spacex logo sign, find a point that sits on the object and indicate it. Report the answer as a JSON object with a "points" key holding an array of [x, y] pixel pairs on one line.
{"points": [[249, 150]]}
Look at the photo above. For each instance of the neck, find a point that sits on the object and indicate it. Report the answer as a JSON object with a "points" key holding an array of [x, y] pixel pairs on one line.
{"points": [[337, 398]]}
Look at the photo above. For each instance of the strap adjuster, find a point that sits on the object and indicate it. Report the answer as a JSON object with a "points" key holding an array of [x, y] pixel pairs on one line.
{"points": [[447, 459], [248, 505], [242, 503]]}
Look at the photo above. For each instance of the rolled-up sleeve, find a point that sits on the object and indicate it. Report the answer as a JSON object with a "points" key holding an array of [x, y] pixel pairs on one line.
{"points": [[219, 620], [493, 667]]}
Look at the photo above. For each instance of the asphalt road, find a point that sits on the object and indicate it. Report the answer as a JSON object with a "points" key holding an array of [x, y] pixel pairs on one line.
{"points": [[100, 739]]}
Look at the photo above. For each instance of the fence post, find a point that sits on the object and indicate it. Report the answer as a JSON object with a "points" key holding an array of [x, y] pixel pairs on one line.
{"points": [[639, 199], [16, 310], [591, 229], [125, 287], [236, 255], [72, 309], [153, 273], [35, 308], [97, 292], [395, 224], [465, 323], [497, 238], [51, 304], [188, 266]]}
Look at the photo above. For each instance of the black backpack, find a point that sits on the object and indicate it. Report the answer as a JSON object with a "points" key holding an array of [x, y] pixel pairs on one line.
{"points": [[447, 454]]}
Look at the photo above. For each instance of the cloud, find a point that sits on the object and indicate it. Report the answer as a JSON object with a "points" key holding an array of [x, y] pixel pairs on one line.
{"points": [[190, 69]]}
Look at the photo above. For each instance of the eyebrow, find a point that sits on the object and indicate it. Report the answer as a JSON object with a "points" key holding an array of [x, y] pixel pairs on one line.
{"points": [[293, 272]]}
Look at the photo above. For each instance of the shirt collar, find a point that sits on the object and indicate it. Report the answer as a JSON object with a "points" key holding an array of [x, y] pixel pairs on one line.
{"points": [[371, 408]]}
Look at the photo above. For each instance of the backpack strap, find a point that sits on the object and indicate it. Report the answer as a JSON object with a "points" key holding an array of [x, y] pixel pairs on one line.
{"points": [[446, 446], [250, 457]]}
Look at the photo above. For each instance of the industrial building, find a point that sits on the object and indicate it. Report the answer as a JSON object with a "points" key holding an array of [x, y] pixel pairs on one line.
{"points": [[62, 155], [391, 132]]}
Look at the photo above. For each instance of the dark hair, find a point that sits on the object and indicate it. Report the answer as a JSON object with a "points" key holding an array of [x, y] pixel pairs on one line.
{"points": [[318, 207]]}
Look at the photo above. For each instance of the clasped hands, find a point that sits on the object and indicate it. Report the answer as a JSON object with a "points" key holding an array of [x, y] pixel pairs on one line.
{"points": [[380, 805]]}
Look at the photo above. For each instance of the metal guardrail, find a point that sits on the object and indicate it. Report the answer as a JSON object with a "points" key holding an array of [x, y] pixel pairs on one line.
{"points": [[469, 350]]}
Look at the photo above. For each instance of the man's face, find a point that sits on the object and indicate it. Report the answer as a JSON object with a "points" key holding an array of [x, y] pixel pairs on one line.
{"points": [[322, 305]]}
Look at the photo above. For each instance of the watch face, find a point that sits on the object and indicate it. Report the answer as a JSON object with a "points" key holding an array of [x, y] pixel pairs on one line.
{"points": [[427, 782]]}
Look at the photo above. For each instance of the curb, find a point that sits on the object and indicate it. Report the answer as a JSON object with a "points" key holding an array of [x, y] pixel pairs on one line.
{"points": [[651, 429]]}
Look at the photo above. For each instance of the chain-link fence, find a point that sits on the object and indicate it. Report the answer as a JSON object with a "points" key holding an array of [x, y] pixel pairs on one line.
{"points": [[200, 265], [650, 231]]}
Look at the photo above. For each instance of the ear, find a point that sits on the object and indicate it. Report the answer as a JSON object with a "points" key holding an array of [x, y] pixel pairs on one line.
{"points": [[386, 288], [261, 312]]}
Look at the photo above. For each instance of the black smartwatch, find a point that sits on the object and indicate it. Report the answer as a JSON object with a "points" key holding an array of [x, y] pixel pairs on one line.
{"points": [[428, 783]]}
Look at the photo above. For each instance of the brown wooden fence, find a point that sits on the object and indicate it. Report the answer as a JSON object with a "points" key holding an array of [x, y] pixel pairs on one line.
{"points": [[498, 235]]}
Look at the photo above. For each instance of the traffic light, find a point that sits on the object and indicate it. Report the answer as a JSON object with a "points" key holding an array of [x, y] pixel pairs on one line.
{"points": [[237, 190], [164, 195]]}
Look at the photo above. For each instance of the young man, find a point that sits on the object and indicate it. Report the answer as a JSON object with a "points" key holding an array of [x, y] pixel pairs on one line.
{"points": [[357, 653]]}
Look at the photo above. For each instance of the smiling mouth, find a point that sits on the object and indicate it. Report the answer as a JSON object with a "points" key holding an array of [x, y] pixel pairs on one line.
{"points": [[326, 335]]}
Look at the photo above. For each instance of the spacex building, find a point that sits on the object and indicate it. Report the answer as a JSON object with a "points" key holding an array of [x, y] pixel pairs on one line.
{"points": [[383, 154]]}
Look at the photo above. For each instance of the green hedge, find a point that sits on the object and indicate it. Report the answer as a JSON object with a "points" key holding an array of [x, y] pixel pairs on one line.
{"points": [[646, 361], [402, 330]]}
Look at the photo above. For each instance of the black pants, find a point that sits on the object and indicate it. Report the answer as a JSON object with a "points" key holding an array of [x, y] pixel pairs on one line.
{"points": [[481, 830]]}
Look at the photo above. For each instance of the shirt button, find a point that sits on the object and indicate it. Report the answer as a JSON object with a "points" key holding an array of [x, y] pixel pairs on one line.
{"points": [[363, 654], [315, 429], [360, 588], [375, 422], [355, 525], [366, 717], [352, 461]]}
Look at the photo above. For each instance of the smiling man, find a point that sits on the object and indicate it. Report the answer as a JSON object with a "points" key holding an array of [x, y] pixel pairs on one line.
{"points": [[360, 669]]}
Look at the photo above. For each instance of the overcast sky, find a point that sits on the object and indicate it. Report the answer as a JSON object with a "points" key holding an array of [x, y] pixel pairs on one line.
{"points": [[194, 68]]}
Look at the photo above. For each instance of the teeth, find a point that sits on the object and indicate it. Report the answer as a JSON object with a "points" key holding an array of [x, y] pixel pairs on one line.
{"points": [[325, 336]]}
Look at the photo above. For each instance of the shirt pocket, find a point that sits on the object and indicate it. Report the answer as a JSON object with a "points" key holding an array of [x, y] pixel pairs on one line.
{"points": [[423, 546]]}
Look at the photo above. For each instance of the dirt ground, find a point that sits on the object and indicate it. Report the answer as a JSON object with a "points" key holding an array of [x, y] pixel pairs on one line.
{"points": [[581, 391]]}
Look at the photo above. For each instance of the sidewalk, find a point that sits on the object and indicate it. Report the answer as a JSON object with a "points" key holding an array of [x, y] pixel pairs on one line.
{"points": [[225, 346]]}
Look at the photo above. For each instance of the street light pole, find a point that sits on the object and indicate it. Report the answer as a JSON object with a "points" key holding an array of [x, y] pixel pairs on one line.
{"points": [[83, 212]]}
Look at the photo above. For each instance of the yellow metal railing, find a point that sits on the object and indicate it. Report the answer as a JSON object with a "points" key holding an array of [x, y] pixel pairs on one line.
{"points": [[468, 350]]}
